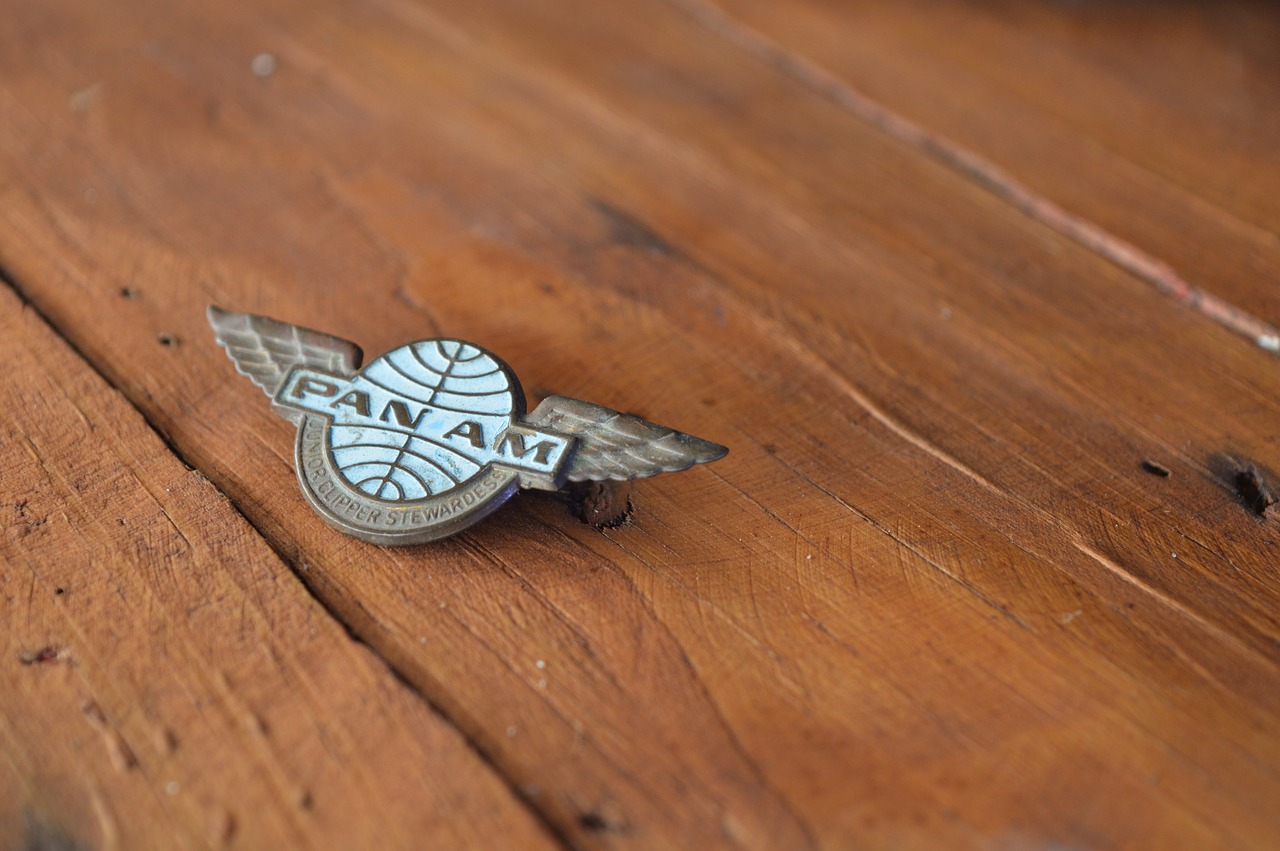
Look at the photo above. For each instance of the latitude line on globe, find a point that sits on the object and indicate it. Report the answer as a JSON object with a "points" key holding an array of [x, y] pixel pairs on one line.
{"points": [[443, 407], [444, 470], [440, 388]]}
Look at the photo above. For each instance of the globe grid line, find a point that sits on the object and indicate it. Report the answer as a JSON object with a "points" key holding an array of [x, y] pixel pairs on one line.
{"points": [[440, 388], [393, 484], [399, 489], [405, 450], [398, 429], [461, 346], [442, 376], [412, 398], [413, 351]]}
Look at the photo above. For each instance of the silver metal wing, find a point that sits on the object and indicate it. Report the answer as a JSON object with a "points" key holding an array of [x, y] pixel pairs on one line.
{"points": [[265, 349], [613, 445]]}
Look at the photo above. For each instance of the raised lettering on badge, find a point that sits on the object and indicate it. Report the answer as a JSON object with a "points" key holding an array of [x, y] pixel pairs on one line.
{"points": [[432, 436]]}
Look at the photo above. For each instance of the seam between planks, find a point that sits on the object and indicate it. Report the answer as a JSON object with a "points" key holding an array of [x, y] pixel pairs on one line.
{"points": [[983, 172], [542, 818]]}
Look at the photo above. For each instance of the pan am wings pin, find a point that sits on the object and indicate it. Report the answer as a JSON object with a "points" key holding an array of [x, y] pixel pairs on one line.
{"points": [[433, 436]]}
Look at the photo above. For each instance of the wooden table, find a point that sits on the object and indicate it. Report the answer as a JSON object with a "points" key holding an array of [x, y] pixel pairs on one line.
{"points": [[980, 296]]}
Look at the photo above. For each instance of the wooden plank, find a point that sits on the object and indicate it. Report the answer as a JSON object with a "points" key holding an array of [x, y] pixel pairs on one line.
{"points": [[165, 681], [1159, 127], [930, 599]]}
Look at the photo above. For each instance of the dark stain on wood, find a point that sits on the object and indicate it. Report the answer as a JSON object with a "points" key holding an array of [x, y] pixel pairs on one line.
{"points": [[42, 836], [1256, 494], [1156, 469], [626, 229], [1248, 481], [593, 822], [28, 521]]}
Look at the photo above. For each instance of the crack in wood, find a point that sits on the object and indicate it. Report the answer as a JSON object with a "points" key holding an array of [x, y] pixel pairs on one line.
{"points": [[983, 172], [540, 816]]}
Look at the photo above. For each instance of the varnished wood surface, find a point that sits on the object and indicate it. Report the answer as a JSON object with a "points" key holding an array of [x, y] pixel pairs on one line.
{"points": [[930, 599], [1158, 127], [167, 681]]}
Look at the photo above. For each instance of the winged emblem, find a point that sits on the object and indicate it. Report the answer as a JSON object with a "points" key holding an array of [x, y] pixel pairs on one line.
{"points": [[432, 436], [265, 350]]}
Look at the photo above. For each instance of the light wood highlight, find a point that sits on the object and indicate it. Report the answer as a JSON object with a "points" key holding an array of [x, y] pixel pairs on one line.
{"points": [[930, 599]]}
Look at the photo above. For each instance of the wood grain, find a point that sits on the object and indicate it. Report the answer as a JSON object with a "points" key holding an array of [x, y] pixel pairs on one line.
{"points": [[1158, 127], [931, 598], [165, 681]]}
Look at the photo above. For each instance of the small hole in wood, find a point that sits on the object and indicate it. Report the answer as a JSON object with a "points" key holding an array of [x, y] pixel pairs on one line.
{"points": [[44, 655], [167, 340], [593, 822], [1254, 491]]}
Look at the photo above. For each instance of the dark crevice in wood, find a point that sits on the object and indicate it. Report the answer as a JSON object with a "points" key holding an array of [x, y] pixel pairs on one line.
{"points": [[1255, 493], [7, 279], [543, 819], [984, 172], [1251, 483]]}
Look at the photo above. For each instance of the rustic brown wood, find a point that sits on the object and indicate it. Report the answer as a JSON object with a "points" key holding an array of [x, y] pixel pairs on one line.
{"points": [[1160, 126], [165, 681], [931, 599]]}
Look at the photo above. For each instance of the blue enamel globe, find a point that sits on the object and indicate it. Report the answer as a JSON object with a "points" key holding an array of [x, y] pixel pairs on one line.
{"points": [[422, 419]]}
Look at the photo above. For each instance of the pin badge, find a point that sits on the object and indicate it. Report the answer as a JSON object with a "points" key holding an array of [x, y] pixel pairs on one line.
{"points": [[432, 436]]}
